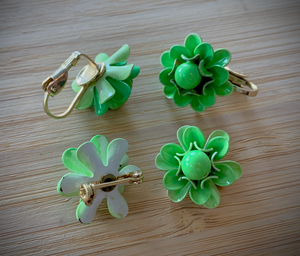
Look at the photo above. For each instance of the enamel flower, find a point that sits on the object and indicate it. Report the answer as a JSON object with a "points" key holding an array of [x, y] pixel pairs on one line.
{"points": [[194, 73], [112, 89], [91, 161], [194, 167]]}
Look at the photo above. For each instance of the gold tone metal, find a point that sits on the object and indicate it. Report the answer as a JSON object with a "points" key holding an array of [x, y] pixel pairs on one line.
{"points": [[54, 84], [239, 81], [108, 182]]}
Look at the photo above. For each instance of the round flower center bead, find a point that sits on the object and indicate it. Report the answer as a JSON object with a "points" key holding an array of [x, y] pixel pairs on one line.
{"points": [[187, 75], [196, 165]]}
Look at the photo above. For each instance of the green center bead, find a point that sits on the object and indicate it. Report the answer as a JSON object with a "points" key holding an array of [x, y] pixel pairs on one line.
{"points": [[196, 165], [187, 75]]}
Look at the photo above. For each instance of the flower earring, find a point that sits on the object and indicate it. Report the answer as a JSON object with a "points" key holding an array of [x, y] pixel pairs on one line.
{"points": [[194, 74], [105, 83], [193, 168], [99, 170]]}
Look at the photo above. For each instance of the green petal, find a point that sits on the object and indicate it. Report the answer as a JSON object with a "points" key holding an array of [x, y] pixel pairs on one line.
{"points": [[169, 91], [220, 75], [87, 99], [165, 60], [164, 76], [119, 72], [71, 162], [214, 198], [172, 182], [119, 56], [161, 164], [193, 134], [225, 176], [196, 104], [100, 109], [203, 70], [75, 86], [221, 58], [122, 89], [114, 104], [180, 133], [168, 151], [105, 90], [177, 50], [218, 133], [223, 89], [199, 196], [209, 98], [178, 195], [236, 168], [101, 145], [134, 72], [205, 51], [101, 57], [182, 100], [192, 41], [219, 145]]}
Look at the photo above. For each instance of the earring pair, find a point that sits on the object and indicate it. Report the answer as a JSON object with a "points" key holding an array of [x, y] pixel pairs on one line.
{"points": [[193, 74]]}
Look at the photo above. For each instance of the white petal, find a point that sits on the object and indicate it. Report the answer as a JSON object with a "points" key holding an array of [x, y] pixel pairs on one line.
{"points": [[70, 183], [115, 152], [117, 205], [101, 145], [129, 168]]}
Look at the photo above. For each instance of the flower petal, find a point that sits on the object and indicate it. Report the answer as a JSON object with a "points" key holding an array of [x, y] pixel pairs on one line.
{"points": [[192, 41], [69, 184], [182, 100], [236, 168], [88, 155], [178, 195], [168, 151], [105, 90], [221, 58], [172, 182], [199, 196], [85, 214], [193, 134], [218, 133], [180, 133], [205, 51], [122, 89], [169, 91], [116, 204], [208, 98], [115, 104], [115, 152], [75, 86], [161, 164], [220, 145], [101, 145], [214, 198], [129, 168], [165, 78], [225, 175], [134, 72], [223, 89], [101, 57], [124, 162], [119, 72], [196, 104], [119, 56], [203, 70], [100, 109], [165, 60], [87, 99], [220, 75], [177, 50]]}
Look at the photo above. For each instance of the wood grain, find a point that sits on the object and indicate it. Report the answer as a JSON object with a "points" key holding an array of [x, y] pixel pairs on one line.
{"points": [[258, 215]]}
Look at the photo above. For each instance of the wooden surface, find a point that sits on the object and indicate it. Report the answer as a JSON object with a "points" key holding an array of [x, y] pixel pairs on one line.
{"points": [[258, 215]]}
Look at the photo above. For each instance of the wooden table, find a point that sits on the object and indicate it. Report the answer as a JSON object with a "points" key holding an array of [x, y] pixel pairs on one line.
{"points": [[258, 215]]}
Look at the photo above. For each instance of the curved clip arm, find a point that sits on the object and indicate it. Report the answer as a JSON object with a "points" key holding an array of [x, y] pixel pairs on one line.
{"points": [[239, 82], [54, 84]]}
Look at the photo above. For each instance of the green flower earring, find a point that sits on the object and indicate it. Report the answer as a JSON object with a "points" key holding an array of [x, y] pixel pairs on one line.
{"points": [[194, 74], [105, 83], [194, 166]]}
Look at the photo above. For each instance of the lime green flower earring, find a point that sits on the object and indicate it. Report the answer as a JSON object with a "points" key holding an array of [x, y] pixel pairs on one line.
{"points": [[194, 166], [105, 83], [194, 74]]}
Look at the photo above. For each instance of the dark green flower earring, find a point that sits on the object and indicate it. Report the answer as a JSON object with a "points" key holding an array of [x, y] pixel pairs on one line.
{"points": [[194, 74]]}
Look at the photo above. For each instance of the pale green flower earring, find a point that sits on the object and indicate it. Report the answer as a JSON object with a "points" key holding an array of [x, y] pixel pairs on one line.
{"points": [[105, 83], [99, 171]]}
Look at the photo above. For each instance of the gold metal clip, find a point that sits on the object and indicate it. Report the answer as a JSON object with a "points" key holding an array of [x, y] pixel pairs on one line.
{"points": [[107, 183], [239, 82], [54, 84]]}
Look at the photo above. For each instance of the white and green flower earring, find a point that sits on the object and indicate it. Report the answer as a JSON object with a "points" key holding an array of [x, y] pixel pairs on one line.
{"points": [[105, 83], [99, 171]]}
